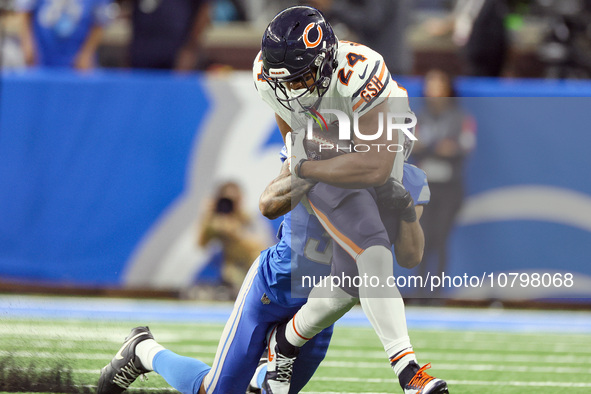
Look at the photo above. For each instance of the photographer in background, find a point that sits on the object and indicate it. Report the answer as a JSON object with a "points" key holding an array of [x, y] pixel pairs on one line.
{"points": [[225, 221]]}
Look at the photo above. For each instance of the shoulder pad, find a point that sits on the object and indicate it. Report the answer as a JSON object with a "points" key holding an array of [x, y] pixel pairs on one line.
{"points": [[362, 75]]}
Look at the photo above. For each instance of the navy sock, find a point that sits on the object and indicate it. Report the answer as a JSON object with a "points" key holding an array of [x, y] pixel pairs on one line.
{"points": [[283, 344], [408, 373]]}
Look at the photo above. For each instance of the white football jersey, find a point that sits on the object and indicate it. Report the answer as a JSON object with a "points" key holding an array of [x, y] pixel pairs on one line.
{"points": [[360, 82]]}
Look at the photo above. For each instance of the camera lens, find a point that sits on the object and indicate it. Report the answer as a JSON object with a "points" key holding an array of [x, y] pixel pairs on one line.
{"points": [[224, 205]]}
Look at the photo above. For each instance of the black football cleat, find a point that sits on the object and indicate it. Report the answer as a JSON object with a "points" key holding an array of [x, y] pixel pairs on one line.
{"points": [[279, 367], [125, 367], [423, 383]]}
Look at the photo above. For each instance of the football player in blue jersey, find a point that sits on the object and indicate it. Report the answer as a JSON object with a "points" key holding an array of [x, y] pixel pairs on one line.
{"points": [[304, 71], [270, 294]]}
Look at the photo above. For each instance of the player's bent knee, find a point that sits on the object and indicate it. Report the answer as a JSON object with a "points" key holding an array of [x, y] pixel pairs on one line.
{"points": [[330, 309]]}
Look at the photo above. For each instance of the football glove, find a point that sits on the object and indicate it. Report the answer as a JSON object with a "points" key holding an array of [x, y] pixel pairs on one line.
{"points": [[296, 154], [393, 198]]}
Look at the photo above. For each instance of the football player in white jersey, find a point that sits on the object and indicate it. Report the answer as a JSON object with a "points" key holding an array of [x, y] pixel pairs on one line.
{"points": [[303, 71], [253, 316]]}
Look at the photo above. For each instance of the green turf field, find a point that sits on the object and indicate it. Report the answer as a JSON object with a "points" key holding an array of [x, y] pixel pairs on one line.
{"points": [[471, 362]]}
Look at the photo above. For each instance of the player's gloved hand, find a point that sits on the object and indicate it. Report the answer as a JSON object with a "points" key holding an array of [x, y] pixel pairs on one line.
{"points": [[296, 154], [393, 198]]}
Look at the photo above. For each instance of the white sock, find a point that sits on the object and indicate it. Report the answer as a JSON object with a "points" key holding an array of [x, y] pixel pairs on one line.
{"points": [[324, 307], [383, 306], [146, 351], [401, 354]]}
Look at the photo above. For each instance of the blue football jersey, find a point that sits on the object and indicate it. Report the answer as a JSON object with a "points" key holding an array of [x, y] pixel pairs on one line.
{"points": [[62, 27], [303, 254]]}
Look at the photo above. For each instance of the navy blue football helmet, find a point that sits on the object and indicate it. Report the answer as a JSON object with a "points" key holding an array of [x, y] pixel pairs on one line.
{"points": [[297, 44]]}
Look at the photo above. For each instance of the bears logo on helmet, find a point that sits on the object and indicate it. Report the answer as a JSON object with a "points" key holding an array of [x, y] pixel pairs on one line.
{"points": [[299, 42], [310, 44]]}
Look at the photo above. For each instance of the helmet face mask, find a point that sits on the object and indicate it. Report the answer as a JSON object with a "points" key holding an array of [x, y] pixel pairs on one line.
{"points": [[408, 145], [297, 44], [307, 95]]}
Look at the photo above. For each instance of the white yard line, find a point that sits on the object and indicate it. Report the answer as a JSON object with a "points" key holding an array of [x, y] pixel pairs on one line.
{"points": [[560, 384], [469, 356], [445, 367], [436, 358], [469, 367]]}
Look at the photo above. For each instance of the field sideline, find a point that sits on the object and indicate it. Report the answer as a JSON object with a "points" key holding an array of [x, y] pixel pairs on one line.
{"points": [[514, 359]]}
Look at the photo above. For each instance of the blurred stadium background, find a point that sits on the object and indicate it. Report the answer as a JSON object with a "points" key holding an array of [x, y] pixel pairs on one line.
{"points": [[103, 176]]}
